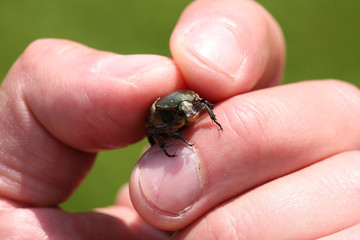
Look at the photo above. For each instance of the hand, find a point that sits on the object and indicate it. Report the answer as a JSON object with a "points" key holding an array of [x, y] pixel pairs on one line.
{"points": [[62, 102], [286, 165]]}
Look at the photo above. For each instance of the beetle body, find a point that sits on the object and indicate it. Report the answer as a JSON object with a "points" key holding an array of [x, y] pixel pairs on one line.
{"points": [[172, 112]]}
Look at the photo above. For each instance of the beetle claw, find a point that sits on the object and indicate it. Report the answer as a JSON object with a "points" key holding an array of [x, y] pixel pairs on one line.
{"points": [[163, 147], [170, 155], [220, 127]]}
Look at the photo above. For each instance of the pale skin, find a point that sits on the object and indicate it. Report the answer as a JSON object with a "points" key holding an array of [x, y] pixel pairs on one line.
{"points": [[286, 166]]}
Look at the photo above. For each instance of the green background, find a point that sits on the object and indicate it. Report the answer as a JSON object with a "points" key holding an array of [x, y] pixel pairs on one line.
{"points": [[323, 41]]}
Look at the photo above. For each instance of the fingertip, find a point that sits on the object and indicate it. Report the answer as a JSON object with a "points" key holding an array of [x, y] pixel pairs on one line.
{"points": [[164, 189], [224, 48]]}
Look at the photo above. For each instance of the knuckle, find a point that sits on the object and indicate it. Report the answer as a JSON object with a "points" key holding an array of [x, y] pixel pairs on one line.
{"points": [[249, 122], [36, 49], [42, 52], [237, 221]]}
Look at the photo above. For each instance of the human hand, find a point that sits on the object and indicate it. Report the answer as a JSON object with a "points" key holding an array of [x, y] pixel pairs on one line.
{"points": [[286, 165], [63, 102]]}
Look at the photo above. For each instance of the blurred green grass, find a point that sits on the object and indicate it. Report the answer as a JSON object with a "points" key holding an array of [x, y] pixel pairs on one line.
{"points": [[323, 41]]}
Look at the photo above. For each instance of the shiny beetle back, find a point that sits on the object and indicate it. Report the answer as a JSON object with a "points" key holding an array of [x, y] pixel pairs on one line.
{"points": [[172, 112]]}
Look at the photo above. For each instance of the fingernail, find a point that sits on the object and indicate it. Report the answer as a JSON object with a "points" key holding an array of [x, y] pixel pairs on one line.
{"points": [[169, 184], [216, 45]]}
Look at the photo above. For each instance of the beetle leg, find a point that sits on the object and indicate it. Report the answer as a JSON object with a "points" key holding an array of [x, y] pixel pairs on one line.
{"points": [[204, 101], [166, 153], [178, 136], [208, 107], [161, 143]]}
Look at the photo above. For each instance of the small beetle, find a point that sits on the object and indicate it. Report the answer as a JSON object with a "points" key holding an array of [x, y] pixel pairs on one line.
{"points": [[172, 112]]}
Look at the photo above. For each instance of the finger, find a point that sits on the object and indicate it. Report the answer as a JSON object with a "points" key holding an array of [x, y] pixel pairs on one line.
{"points": [[125, 210], [60, 103], [267, 134], [123, 197], [41, 223], [224, 48], [314, 202], [135, 225], [351, 233], [72, 89]]}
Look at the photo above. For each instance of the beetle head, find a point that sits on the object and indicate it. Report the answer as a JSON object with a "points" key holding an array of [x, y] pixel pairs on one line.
{"points": [[187, 109]]}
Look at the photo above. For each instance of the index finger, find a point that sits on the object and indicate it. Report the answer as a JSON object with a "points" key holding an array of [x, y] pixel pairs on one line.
{"points": [[60, 103], [90, 99]]}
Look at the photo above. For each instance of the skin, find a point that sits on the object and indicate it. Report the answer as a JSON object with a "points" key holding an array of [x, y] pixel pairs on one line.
{"points": [[286, 165]]}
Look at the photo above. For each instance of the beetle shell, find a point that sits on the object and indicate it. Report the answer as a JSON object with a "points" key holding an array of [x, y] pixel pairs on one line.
{"points": [[165, 110], [170, 113], [172, 100]]}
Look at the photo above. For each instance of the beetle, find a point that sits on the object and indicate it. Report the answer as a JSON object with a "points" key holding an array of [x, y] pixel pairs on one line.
{"points": [[171, 113]]}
